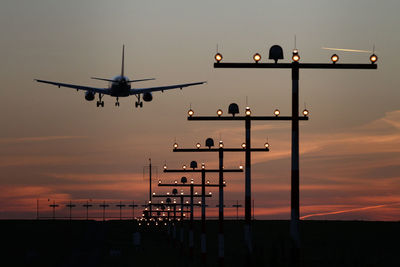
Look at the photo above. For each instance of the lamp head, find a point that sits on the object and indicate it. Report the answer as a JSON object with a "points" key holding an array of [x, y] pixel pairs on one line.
{"points": [[275, 53], [193, 164], [334, 58], [373, 58], [209, 142], [233, 109], [256, 57], [218, 57]]}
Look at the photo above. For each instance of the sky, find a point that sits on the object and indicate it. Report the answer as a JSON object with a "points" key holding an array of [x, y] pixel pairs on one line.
{"points": [[56, 146]]}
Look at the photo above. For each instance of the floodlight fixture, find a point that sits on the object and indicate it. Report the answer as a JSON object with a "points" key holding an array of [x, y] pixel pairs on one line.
{"points": [[373, 58], [219, 112], [243, 145], [233, 109], [193, 164], [190, 112], [221, 144], [296, 56], [257, 57], [198, 145], [175, 145], [306, 112], [334, 58], [277, 112], [275, 53], [218, 57], [209, 142], [248, 111]]}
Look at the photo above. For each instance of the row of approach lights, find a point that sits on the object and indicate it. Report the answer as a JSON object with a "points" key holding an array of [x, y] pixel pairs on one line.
{"points": [[184, 181], [277, 112], [203, 166], [296, 57], [221, 145]]}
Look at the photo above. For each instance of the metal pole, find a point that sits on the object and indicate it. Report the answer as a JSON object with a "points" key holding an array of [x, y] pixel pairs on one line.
{"points": [[54, 209], [150, 194], [221, 244], [247, 204], [174, 228], [181, 224], [295, 181], [191, 241], [203, 217], [37, 209], [237, 210], [295, 195], [133, 210], [70, 210]]}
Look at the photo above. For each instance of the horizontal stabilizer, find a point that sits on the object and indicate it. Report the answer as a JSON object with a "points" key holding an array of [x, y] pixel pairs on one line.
{"points": [[141, 80], [101, 79]]}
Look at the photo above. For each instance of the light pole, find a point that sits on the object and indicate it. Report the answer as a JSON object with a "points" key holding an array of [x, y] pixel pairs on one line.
{"points": [[120, 205], [221, 149], [70, 206], [203, 172], [87, 206], [192, 185], [104, 206], [54, 206], [133, 206], [233, 109], [237, 206], [276, 53], [182, 204]]}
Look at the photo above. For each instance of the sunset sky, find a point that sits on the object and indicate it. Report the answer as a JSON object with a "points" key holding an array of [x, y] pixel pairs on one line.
{"points": [[54, 145]]}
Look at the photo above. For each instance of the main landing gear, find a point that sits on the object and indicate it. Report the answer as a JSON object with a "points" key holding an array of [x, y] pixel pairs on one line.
{"points": [[138, 103], [117, 103], [100, 103]]}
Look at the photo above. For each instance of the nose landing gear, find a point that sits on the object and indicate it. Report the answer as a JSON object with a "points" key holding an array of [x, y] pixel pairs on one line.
{"points": [[117, 103]]}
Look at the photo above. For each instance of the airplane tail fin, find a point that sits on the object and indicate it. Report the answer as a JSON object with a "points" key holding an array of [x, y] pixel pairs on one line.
{"points": [[123, 56]]}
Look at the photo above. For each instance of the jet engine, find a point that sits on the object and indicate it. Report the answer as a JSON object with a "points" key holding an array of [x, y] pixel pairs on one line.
{"points": [[89, 96], [147, 97]]}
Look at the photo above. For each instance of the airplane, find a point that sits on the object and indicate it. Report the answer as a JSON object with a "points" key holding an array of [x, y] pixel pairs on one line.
{"points": [[120, 86]]}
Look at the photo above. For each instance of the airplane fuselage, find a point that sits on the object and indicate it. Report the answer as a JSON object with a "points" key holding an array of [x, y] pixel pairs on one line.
{"points": [[120, 87]]}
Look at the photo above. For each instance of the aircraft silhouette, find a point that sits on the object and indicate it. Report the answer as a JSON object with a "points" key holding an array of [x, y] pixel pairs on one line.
{"points": [[120, 86]]}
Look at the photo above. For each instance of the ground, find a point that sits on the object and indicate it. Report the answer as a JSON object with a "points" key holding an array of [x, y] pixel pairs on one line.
{"points": [[110, 243]]}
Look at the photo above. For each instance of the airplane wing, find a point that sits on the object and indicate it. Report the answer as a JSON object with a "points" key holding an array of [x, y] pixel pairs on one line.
{"points": [[136, 91], [78, 87]]}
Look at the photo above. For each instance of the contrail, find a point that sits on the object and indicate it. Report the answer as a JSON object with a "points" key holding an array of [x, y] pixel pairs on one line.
{"points": [[346, 50], [349, 210]]}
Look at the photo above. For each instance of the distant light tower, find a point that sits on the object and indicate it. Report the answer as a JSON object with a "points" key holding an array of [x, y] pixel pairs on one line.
{"points": [[87, 206], [133, 206], [120, 205], [104, 206], [54, 206], [237, 206], [70, 206]]}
